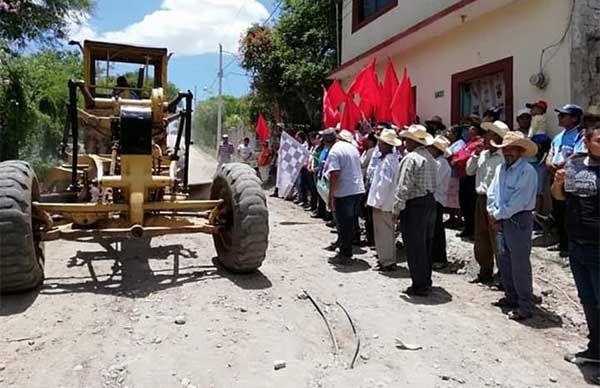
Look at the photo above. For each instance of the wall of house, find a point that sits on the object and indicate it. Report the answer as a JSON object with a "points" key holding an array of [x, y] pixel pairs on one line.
{"points": [[585, 58], [520, 29], [406, 14]]}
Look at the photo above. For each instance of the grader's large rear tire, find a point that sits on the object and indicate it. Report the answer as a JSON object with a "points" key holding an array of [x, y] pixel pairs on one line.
{"points": [[243, 241], [21, 256]]}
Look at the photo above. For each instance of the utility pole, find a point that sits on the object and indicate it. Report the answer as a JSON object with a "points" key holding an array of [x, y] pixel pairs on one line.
{"points": [[220, 99]]}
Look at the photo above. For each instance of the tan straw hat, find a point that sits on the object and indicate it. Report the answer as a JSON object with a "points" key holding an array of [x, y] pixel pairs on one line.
{"points": [[498, 127], [389, 136], [417, 133], [592, 111], [347, 136], [441, 143], [517, 139]]}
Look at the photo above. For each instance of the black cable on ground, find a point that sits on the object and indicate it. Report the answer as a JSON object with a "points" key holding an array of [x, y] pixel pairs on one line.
{"points": [[335, 345], [356, 336]]}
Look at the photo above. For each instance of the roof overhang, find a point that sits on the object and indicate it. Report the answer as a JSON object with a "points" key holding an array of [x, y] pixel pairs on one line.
{"points": [[436, 25], [125, 53]]}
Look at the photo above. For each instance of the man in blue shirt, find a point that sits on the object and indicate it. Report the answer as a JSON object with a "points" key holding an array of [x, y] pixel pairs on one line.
{"points": [[564, 145], [510, 202]]}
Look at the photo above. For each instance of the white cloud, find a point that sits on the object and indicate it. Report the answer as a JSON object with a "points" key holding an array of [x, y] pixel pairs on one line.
{"points": [[186, 27]]}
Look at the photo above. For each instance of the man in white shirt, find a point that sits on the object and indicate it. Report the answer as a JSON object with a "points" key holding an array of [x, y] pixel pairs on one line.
{"points": [[225, 151], [244, 151], [483, 165], [439, 150], [381, 199], [346, 189]]}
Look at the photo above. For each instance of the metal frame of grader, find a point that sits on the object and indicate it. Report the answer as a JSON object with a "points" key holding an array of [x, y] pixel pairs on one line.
{"points": [[135, 190]]}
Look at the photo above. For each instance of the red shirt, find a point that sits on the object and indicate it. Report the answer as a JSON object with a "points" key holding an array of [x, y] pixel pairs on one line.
{"points": [[264, 158], [459, 159]]}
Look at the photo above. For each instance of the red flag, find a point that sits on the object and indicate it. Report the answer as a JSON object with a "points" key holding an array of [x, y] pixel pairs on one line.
{"points": [[262, 130], [401, 103], [336, 94], [331, 115], [390, 84], [351, 115], [367, 87]]}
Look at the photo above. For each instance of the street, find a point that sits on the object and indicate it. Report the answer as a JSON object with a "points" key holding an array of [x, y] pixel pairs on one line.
{"points": [[164, 316]]}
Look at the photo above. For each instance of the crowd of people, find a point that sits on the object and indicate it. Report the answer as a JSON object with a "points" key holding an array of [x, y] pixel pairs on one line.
{"points": [[490, 180]]}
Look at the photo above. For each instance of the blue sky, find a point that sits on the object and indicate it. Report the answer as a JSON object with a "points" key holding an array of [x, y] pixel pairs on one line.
{"points": [[192, 29]]}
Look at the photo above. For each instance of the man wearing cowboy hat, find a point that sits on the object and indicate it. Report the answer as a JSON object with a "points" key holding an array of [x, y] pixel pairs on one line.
{"points": [[483, 166], [415, 205], [381, 199], [346, 189], [510, 203], [439, 150]]}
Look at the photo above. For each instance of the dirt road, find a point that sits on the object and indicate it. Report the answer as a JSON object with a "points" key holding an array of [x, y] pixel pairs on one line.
{"points": [[106, 319]]}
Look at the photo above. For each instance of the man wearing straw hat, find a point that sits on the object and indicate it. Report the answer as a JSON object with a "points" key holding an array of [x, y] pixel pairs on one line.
{"points": [[510, 203], [439, 150], [415, 205], [483, 165], [381, 199]]}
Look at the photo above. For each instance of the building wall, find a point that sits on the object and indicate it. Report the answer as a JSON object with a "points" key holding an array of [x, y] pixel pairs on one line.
{"points": [[520, 29], [406, 14], [585, 58]]}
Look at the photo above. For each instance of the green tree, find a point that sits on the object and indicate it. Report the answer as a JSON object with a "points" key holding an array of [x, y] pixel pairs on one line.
{"points": [[22, 21], [290, 62], [236, 112], [33, 104]]}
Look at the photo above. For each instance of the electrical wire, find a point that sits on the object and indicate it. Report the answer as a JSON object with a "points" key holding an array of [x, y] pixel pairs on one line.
{"points": [[559, 42], [273, 12]]}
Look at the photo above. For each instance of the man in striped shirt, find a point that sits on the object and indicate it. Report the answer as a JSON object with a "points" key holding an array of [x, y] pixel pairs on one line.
{"points": [[415, 206]]}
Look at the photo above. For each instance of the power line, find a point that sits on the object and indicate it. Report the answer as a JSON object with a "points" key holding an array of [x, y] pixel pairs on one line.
{"points": [[273, 11]]}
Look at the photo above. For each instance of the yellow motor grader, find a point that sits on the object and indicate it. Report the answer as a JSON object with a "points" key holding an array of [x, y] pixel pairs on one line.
{"points": [[118, 178]]}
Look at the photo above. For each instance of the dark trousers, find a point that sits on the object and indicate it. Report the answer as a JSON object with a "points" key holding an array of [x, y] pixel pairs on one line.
{"points": [[417, 223], [314, 195], [558, 212], [585, 265], [438, 253], [368, 210], [466, 198], [514, 260], [485, 240], [346, 213]]}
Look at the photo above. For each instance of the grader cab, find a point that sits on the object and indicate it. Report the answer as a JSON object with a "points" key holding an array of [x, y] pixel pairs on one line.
{"points": [[119, 178]]}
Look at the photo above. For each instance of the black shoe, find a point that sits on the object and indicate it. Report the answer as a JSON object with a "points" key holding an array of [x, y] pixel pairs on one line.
{"points": [[585, 357], [417, 292], [481, 280], [518, 315], [437, 266], [316, 215], [341, 260], [332, 247], [385, 268], [330, 224], [504, 303]]}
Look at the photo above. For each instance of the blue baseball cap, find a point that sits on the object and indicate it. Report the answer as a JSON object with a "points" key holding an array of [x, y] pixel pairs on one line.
{"points": [[571, 110]]}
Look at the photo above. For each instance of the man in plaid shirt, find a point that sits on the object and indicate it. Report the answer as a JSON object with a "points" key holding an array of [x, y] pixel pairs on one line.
{"points": [[415, 205]]}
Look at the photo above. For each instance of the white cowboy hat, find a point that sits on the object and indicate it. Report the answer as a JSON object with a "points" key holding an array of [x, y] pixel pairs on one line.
{"points": [[498, 127], [517, 139], [417, 133], [389, 136], [347, 136], [441, 143]]}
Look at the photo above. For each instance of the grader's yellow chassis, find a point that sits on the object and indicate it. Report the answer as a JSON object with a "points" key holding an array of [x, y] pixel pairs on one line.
{"points": [[133, 186]]}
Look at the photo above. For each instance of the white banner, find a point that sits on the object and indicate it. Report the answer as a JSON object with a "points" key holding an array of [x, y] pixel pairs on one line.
{"points": [[292, 157]]}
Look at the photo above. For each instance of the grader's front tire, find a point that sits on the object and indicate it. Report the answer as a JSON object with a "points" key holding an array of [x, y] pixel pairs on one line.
{"points": [[21, 256], [243, 241]]}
